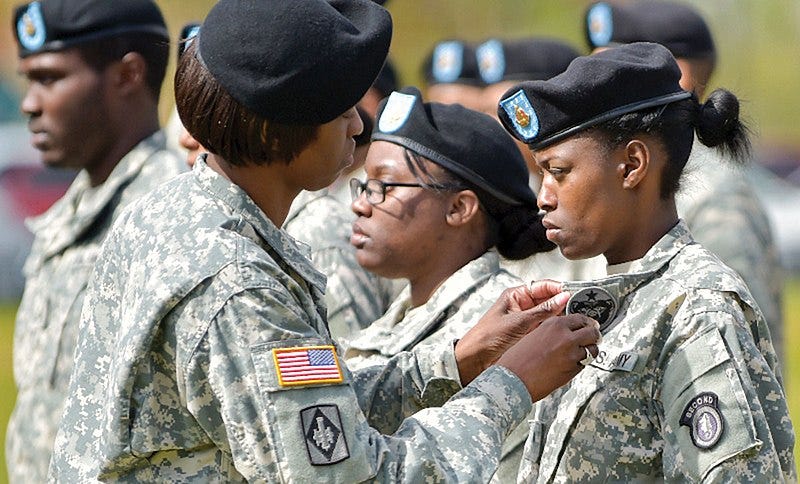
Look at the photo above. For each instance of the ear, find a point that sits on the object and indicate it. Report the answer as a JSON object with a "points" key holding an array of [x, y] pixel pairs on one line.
{"points": [[635, 163], [463, 207], [130, 73]]}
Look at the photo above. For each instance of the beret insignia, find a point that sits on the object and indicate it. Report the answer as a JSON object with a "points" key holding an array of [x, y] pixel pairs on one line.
{"points": [[30, 27], [520, 111]]}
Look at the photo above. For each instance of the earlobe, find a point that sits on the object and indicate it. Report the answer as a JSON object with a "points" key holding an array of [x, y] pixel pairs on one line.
{"points": [[636, 163], [463, 207]]}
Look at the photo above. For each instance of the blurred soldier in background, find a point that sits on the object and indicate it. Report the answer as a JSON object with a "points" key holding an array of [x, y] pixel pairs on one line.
{"points": [[716, 200], [94, 70]]}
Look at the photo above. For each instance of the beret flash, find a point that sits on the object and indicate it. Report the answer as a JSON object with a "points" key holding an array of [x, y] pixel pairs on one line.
{"points": [[452, 62], [295, 62], [676, 26], [467, 143], [593, 89], [523, 59], [54, 25]]}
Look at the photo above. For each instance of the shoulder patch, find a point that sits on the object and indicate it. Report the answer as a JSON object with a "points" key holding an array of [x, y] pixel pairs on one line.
{"points": [[323, 435], [307, 365], [704, 419], [596, 303]]}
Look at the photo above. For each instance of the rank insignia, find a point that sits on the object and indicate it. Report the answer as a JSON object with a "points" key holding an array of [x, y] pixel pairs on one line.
{"points": [[307, 365], [704, 419], [520, 111], [30, 27], [447, 61], [491, 61], [600, 24], [323, 434], [596, 303], [394, 115]]}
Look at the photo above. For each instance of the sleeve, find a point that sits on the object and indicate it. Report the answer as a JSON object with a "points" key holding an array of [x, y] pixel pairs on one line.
{"points": [[273, 394], [724, 411], [408, 382]]}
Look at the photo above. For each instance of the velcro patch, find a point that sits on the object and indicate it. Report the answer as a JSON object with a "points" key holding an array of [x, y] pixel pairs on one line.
{"points": [[307, 365], [323, 434]]}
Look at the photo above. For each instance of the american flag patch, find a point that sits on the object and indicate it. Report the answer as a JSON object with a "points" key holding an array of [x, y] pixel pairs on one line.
{"points": [[307, 365]]}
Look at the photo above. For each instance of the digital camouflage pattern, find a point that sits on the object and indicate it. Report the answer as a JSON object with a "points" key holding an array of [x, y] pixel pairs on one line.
{"points": [[452, 310], [686, 326], [726, 217], [67, 240], [175, 379], [354, 296]]}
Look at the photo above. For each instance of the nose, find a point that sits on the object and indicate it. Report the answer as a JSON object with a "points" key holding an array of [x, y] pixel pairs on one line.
{"points": [[360, 206], [546, 199], [356, 125], [30, 105]]}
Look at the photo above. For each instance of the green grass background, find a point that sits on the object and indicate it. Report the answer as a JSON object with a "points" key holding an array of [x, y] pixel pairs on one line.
{"points": [[791, 371]]}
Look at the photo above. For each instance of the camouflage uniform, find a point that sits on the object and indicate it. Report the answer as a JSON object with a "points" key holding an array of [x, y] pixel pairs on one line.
{"points": [[67, 240], [687, 341], [450, 312], [354, 296], [178, 372], [725, 216]]}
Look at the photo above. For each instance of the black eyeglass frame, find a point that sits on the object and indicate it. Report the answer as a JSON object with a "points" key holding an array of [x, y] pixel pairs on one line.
{"points": [[357, 187]]}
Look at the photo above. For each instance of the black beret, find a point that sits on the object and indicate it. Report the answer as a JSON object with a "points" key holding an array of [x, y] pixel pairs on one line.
{"points": [[593, 89], [452, 62], [523, 59], [186, 36], [470, 144], [295, 62], [386, 82], [676, 26], [54, 25]]}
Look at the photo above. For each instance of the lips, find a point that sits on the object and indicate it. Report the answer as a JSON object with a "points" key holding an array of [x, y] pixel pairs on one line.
{"points": [[552, 230], [358, 238]]}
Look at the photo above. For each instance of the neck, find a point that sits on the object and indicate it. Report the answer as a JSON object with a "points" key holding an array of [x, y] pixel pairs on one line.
{"points": [[649, 231], [264, 184], [141, 124], [428, 281]]}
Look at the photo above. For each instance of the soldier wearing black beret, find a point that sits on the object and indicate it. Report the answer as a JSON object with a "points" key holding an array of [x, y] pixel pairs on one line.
{"points": [[94, 70], [718, 203], [205, 354], [687, 386], [451, 74]]}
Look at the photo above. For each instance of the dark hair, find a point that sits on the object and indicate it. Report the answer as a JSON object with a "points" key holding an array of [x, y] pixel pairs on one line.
{"points": [[224, 126], [716, 122], [153, 48], [516, 230]]}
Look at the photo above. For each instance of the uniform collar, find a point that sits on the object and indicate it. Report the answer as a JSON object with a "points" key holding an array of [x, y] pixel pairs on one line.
{"points": [[69, 218], [594, 294], [295, 255]]}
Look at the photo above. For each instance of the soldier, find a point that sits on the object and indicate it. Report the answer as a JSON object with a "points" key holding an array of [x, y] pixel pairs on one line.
{"points": [[204, 353], [687, 387], [451, 74], [502, 64], [442, 179], [717, 201], [354, 296], [94, 72]]}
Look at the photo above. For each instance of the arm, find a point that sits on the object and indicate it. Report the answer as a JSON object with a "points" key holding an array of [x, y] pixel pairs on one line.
{"points": [[724, 410], [272, 430]]}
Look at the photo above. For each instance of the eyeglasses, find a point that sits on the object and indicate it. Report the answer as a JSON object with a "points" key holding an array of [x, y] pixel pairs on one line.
{"points": [[376, 189]]}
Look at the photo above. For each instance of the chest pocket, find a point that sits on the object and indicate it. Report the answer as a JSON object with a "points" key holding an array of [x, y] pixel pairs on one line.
{"points": [[315, 424], [51, 311], [601, 426]]}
